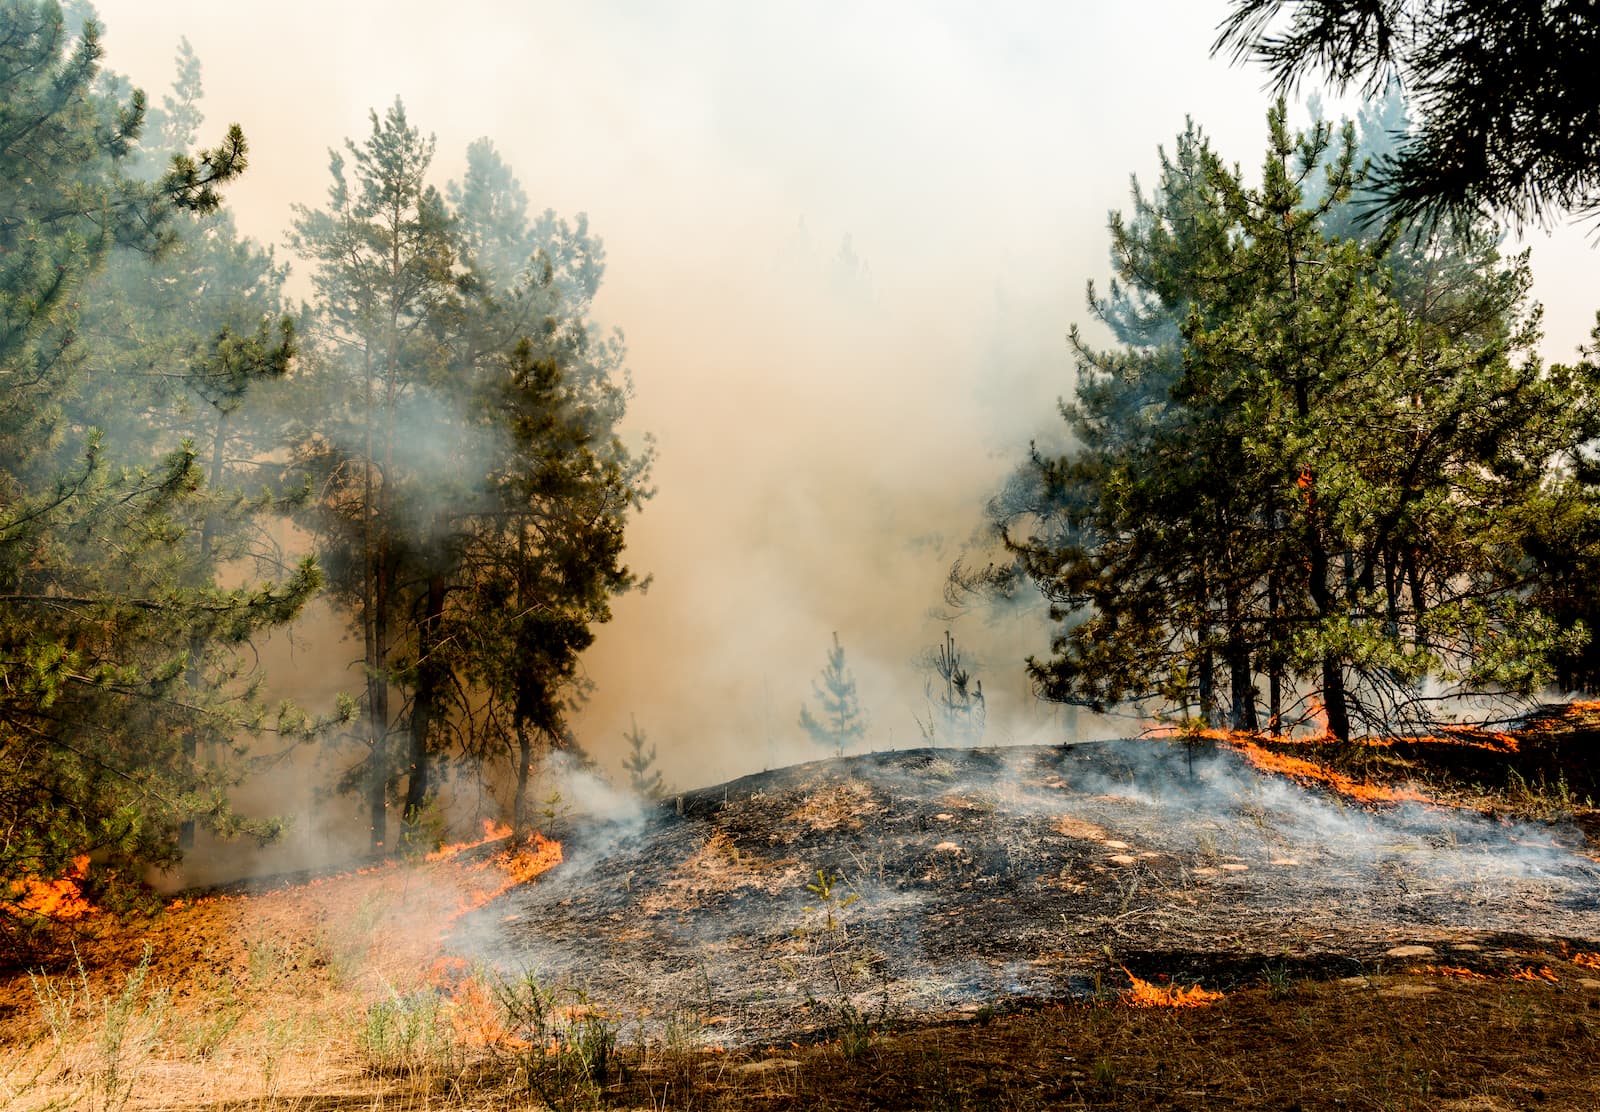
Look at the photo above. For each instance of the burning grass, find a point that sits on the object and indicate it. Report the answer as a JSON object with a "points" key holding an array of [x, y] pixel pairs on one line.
{"points": [[253, 990], [61, 899], [954, 951], [1143, 994], [1316, 774]]}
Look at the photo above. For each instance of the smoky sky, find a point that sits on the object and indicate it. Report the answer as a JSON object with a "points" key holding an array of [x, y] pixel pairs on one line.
{"points": [[845, 243]]}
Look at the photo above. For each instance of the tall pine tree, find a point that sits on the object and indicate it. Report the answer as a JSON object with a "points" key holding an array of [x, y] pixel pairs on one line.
{"points": [[473, 487], [104, 591], [1313, 460]]}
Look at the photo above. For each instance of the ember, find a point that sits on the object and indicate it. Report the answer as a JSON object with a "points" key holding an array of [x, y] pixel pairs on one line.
{"points": [[1143, 994], [61, 898]]}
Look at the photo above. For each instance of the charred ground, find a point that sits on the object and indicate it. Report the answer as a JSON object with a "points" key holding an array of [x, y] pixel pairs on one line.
{"points": [[933, 883]]}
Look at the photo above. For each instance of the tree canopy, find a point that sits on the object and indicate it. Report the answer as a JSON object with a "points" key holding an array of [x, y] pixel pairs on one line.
{"points": [[472, 486], [125, 674], [1508, 106], [1320, 461]]}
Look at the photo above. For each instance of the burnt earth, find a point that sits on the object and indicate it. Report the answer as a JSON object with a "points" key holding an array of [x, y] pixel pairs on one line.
{"points": [[954, 880]]}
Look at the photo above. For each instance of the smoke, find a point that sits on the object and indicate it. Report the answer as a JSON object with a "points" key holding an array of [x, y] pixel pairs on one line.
{"points": [[591, 797], [844, 243]]}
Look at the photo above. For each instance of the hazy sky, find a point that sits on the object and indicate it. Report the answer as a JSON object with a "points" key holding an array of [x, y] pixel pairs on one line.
{"points": [[845, 243]]}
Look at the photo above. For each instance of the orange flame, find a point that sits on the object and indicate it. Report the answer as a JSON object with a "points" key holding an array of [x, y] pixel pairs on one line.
{"points": [[1319, 717], [1588, 961], [519, 864], [1302, 771], [492, 832], [62, 898], [1143, 994], [1453, 971], [477, 1020], [1543, 973], [1476, 738]]}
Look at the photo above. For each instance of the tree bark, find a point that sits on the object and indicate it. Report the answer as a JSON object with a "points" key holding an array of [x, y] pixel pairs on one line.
{"points": [[1274, 665], [519, 805], [1242, 688], [430, 678], [208, 535]]}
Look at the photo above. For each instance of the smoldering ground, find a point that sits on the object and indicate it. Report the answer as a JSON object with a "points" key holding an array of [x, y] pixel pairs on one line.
{"points": [[925, 882]]}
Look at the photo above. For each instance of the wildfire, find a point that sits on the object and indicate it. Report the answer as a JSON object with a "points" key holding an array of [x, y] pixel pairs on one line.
{"points": [[1453, 971], [1588, 961], [1312, 774], [1543, 973], [1319, 718], [475, 1017], [517, 864], [492, 832], [61, 898], [1143, 994], [471, 885], [1473, 737]]}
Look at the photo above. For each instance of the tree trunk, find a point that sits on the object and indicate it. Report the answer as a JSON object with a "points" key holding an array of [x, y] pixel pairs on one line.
{"points": [[1419, 601], [430, 679], [1208, 688], [519, 805], [377, 630], [1242, 688], [1274, 666], [378, 758], [208, 537], [1333, 699]]}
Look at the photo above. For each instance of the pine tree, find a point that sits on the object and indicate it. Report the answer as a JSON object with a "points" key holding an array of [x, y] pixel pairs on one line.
{"points": [[473, 486], [543, 558], [104, 591], [188, 347], [639, 763], [840, 720], [1507, 93], [1312, 458], [958, 711], [378, 450], [541, 562]]}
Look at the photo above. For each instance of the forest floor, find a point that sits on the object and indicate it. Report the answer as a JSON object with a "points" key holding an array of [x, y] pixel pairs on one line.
{"points": [[1270, 925]]}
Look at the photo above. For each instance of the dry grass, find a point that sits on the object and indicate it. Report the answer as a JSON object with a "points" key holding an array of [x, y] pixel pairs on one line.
{"points": [[719, 866], [1402, 1040]]}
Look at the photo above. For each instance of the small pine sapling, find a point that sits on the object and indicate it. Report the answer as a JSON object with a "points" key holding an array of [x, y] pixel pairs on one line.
{"points": [[958, 710], [639, 764], [840, 720]]}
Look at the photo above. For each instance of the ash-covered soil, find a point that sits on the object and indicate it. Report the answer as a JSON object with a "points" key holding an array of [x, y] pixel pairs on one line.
{"points": [[953, 880]]}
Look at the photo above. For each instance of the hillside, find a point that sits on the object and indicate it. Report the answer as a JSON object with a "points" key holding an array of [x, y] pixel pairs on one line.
{"points": [[925, 928]]}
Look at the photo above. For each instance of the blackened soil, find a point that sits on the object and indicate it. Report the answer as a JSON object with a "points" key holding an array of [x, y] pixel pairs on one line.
{"points": [[929, 884]]}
